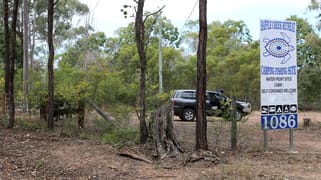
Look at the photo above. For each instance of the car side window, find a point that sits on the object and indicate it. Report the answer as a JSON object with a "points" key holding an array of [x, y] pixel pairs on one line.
{"points": [[188, 95], [212, 97], [176, 94], [219, 96]]}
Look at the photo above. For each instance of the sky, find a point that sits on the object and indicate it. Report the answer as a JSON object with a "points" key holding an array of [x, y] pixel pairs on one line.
{"points": [[107, 17]]}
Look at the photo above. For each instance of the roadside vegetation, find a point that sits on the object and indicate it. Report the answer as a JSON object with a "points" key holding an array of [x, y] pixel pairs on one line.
{"points": [[97, 79]]}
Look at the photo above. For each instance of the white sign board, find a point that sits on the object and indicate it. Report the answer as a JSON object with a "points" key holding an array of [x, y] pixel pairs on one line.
{"points": [[278, 74]]}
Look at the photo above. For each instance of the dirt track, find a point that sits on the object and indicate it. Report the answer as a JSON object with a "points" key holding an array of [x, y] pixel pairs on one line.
{"points": [[43, 155]]}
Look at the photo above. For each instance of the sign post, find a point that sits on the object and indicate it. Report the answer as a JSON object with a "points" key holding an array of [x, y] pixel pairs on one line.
{"points": [[278, 71]]}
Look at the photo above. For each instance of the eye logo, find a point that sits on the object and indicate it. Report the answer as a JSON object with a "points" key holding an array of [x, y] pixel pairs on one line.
{"points": [[278, 47]]}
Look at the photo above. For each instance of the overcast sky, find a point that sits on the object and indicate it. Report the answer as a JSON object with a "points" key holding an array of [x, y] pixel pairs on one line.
{"points": [[107, 17]]}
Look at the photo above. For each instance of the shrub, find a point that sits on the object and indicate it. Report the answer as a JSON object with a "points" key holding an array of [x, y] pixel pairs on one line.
{"points": [[121, 136]]}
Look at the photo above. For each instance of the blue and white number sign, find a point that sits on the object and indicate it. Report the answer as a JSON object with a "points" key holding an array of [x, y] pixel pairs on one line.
{"points": [[278, 74]]}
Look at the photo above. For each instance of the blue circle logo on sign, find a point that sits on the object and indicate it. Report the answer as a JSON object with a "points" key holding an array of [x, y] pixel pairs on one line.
{"points": [[278, 47]]}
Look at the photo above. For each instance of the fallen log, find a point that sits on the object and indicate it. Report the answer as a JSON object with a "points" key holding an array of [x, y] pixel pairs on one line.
{"points": [[102, 113]]}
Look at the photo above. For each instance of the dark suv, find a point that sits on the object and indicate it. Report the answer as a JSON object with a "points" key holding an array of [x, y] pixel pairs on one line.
{"points": [[184, 104]]}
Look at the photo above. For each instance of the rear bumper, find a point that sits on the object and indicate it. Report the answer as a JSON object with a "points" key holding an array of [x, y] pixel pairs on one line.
{"points": [[177, 111], [246, 110]]}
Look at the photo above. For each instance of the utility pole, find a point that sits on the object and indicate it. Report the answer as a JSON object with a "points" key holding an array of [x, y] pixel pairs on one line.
{"points": [[160, 56]]}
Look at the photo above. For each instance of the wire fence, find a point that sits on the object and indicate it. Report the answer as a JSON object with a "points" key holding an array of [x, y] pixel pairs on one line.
{"points": [[20, 105]]}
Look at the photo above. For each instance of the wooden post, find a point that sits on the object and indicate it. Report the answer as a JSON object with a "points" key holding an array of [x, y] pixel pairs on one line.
{"points": [[81, 114], [234, 127]]}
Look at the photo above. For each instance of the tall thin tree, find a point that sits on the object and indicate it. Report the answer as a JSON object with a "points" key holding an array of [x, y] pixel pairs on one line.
{"points": [[140, 43], [12, 58], [6, 44], [51, 5], [25, 51], [201, 123]]}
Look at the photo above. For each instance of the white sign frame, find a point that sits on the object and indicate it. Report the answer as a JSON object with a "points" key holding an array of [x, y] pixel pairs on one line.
{"points": [[278, 71]]}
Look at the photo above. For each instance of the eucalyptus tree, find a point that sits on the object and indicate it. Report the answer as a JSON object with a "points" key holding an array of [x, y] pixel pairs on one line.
{"points": [[310, 72], [201, 122], [50, 106], [141, 45], [65, 13], [315, 6], [25, 51], [303, 30], [84, 64], [121, 50], [6, 43], [2, 50], [84, 50], [309, 61], [228, 44], [190, 36], [56, 30], [141, 40], [64, 31], [10, 45], [53, 20], [2, 27]]}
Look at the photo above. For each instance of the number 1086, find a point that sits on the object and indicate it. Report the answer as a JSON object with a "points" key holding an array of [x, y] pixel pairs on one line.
{"points": [[279, 121]]}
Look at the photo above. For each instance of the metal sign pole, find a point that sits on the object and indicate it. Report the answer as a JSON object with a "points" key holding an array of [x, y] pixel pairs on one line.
{"points": [[265, 140], [291, 148]]}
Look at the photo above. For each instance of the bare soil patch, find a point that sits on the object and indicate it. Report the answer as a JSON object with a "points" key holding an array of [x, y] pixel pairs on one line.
{"points": [[48, 155]]}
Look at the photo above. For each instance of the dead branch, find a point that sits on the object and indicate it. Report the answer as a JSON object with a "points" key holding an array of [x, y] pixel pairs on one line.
{"points": [[134, 155]]}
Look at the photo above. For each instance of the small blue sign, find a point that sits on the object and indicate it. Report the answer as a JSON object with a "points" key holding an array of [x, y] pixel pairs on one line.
{"points": [[279, 121]]}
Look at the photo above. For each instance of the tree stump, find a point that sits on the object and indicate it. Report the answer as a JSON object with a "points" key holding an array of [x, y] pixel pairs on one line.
{"points": [[81, 114], [165, 141], [306, 122]]}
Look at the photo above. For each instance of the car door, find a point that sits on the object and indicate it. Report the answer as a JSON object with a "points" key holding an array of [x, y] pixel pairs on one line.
{"points": [[214, 99]]}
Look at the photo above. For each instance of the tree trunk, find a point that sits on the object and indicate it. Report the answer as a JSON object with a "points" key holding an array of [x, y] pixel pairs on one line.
{"points": [[6, 52], [50, 65], [6, 45], [81, 114], [165, 141], [32, 40], [12, 63], [25, 52], [140, 43], [201, 124]]}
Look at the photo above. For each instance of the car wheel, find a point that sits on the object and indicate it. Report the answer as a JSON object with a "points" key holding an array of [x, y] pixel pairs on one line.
{"points": [[188, 115]]}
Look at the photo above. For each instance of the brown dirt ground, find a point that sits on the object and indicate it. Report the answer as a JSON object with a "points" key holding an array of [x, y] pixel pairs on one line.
{"points": [[49, 155]]}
